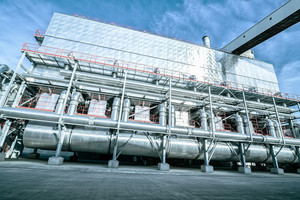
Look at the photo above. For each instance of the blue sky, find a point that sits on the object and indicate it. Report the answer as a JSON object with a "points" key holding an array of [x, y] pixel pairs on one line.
{"points": [[222, 20]]}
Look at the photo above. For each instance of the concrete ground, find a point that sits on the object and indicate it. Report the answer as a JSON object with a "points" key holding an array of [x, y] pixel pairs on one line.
{"points": [[34, 179]]}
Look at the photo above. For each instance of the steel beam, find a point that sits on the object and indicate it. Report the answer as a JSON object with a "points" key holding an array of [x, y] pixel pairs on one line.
{"points": [[279, 20]]}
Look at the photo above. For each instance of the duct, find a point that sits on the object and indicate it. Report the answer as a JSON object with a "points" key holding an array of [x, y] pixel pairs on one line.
{"points": [[115, 109], [239, 122], [5, 69], [277, 128], [162, 114], [76, 98], [97, 140], [172, 116], [126, 110], [38, 115], [175, 91], [271, 127], [44, 136], [246, 125], [60, 102], [203, 119], [225, 99], [212, 124]]}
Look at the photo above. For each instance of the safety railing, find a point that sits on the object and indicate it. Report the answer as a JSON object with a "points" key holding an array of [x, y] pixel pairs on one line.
{"points": [[97, 107], [45, 99], [39, 33], [85, 57]]}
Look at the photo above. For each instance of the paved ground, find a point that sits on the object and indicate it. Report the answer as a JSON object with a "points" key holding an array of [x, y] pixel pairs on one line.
{"points": [[28, 179]]}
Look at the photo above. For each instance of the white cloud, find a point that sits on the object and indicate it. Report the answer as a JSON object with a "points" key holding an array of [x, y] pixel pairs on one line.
{"points": [[289, 78]]}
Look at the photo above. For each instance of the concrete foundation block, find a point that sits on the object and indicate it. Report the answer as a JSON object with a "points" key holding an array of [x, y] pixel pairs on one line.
{"points": [[33, 155], [244, 170], [2, 157], [207, 168], [113, 164], [298, 171], [163, 166], [55, 161], [277, 171]]}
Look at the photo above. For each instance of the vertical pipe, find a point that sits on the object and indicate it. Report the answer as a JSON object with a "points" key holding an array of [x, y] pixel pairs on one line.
{"points": [[247, 115], [119, 118], [292, 127], [126, 110], [61, 131], [162, 114], [19, 94], [212, 126], [59, 105], [115, 109], [203, 119], [278, 119], [4, 97]]}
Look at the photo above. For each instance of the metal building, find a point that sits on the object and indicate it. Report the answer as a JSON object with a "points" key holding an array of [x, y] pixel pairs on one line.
{"points": [[103, 88]]}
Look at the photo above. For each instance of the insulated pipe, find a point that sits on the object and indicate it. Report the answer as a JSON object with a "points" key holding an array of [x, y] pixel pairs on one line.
{"points": [[162, 114], [126, 110], [173, 119], [115, 109], [239, 122], [5, 69], [112, 90], [277, 129], [76, 98], [203, 119], [247, 125], [8, 89], [59, 105], [97, 140], [175, 91], [271, 127], [37, 115], [211, 117]]}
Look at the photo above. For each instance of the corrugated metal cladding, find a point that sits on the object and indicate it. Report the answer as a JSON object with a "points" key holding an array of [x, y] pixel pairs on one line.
{"points": [[83, 35]]}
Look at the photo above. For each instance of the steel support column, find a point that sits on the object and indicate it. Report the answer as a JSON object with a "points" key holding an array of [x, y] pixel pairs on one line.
{"points": [[275, 169], [164, 166], [206, 167], [243, 169], [57, 160], [114, 163]]}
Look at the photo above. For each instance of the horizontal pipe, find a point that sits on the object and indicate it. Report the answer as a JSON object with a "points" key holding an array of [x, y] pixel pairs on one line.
{"points": [[97, 140], [154, 88], [37, 115]]}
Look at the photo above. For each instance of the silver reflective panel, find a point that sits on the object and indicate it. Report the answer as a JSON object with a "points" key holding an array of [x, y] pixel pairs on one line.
{"points": [[83, 35]]}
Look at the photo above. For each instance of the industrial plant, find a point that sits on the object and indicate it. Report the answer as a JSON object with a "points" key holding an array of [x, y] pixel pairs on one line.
{"points": [[99, 87]]}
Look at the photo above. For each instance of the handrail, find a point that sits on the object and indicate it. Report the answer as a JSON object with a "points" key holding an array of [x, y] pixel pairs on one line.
{"points": [[85, 57]]}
